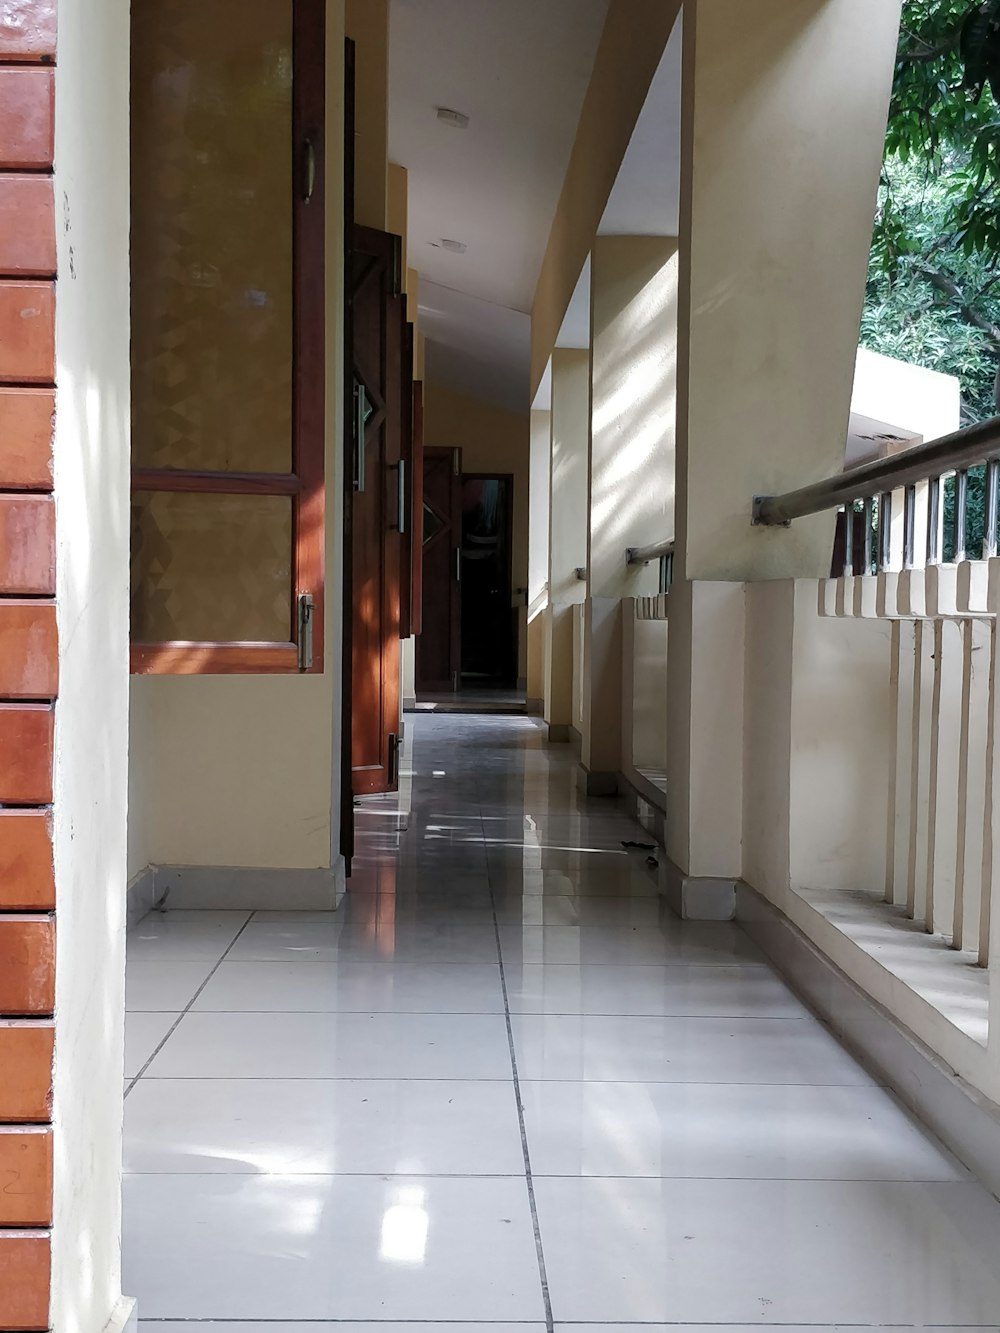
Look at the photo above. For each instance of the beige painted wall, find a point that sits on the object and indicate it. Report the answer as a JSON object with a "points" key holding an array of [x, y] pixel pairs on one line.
{"points": [[90, 771], [635, 35], [245, 770], [491, 440], [538, 548], [777, 201], [367, 23]]}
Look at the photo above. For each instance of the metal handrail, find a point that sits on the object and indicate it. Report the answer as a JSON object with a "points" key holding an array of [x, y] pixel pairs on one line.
{"points": [[661, 551], [642, 555], [924, 462]]}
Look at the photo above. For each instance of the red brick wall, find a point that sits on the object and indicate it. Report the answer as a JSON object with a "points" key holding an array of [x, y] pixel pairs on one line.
{"points": [[29, 663]]}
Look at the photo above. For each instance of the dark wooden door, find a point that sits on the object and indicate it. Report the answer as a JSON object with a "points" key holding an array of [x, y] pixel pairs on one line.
{"points": [[439, 648], [377, 327], [347, 673]]}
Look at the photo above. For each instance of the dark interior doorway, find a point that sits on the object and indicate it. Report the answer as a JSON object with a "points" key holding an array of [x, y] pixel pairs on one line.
{"points": [[489, 634]]}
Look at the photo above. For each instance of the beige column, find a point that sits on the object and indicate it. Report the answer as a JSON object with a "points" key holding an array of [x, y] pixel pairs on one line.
{"points": [[539, 491], [631, 467], [570, 422], [777, 199]]}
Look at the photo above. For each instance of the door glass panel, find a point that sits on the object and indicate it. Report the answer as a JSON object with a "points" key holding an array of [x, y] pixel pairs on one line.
{"points": [[211, 243], [215, 567]]}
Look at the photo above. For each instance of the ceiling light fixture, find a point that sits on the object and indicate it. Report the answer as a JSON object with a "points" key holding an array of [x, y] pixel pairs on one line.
{"points": [[456, 119]]}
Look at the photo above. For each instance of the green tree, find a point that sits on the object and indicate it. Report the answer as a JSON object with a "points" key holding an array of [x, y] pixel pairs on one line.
{"points": [[933, 294]]}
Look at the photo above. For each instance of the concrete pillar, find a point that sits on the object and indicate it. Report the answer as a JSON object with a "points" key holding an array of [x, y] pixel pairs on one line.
{"points": [[570, 423], [631, 467], [777, 198], [540, 450]]}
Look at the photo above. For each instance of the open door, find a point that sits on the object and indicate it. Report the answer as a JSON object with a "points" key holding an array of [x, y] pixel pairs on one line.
{"points": [[439, 648], [377, 389]]}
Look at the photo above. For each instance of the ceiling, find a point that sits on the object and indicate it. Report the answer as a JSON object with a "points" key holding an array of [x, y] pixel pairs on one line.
{"points": [[519, 69]]}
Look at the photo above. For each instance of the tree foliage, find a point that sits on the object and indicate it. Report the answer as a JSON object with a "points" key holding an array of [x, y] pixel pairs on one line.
{"points": [[934, 278]]}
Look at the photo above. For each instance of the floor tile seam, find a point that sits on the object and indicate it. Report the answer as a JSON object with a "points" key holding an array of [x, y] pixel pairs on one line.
{"points": [[479, 1013], [187, 1008], [532, 1206], [478, 1176], [386, 1176]]}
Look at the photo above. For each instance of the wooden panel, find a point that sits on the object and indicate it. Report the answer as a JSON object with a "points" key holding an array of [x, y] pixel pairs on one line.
{"points": [[25, 1178], [26, 1060], [27, 964], [406, 553], [27, 881], [27, 227], [26, 118], [27, 545], [377, 347], [417, 511], [213, 659], [27, 332], [29, 651], [25, 755], [28, 30], [26, 423], [25, 1270], [439, 660]]}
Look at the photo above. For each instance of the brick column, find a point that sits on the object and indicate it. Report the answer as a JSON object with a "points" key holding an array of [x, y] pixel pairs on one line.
{"points": [[28, 658]]}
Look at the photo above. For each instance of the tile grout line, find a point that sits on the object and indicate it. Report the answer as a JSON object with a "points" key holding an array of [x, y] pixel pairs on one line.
{"points": [[187, 1008], [529, 1180]]}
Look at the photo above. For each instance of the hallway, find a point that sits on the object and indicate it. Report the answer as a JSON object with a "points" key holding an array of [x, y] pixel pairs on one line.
{"points": [[323, 1117]]}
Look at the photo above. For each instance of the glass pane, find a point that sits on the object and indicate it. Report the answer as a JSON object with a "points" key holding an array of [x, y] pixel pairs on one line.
{"points": [[212, 234], [211, 567]]}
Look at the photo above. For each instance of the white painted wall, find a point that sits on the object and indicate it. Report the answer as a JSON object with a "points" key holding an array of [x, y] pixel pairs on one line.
{"points": [[914, 402], [245, 770], [92, 505]]}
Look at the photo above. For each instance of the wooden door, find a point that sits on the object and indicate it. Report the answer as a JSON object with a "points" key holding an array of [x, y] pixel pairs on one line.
{"points": [[346, 664], [439, 648], [375, 547]]}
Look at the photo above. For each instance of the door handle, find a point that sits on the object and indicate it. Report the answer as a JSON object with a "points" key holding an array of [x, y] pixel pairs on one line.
{"points": [[401, 496], [359, 437], [309, 173], [458, 564]]}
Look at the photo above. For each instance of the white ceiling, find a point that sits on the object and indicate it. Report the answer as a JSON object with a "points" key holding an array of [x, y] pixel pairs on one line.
{"points": [[519, 69]]}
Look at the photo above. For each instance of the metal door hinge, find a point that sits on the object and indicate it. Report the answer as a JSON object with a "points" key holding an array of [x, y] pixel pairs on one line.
{"points": [[458, 564], [394, 748], [306, 610]]}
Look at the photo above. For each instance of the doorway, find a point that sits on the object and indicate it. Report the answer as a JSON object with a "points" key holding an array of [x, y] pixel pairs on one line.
{"points": [[489, 629]]}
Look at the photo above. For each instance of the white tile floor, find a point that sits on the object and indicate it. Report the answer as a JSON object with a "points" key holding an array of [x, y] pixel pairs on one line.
{"points": [[503, 1087]]}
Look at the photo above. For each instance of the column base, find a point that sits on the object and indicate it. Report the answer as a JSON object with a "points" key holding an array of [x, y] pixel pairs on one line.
{"points": [[559, 732], [596, 784], [697, 897]]}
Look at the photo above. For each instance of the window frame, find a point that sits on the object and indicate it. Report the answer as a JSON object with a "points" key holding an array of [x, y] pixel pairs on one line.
{"points": [[305, 484]]}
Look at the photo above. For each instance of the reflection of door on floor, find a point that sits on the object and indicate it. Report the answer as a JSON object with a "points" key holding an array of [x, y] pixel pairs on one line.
{"points": [[488, 626]]}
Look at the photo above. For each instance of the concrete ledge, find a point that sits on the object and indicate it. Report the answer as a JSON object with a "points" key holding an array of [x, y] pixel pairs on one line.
{"points": [[248, 888], [596, 784], [964, 1120], [644, 811], [697, 897], [140, 896]]}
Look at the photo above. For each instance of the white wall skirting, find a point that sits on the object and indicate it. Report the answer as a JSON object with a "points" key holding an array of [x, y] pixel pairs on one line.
{"points": [[965, 1121], [248, 888]]}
